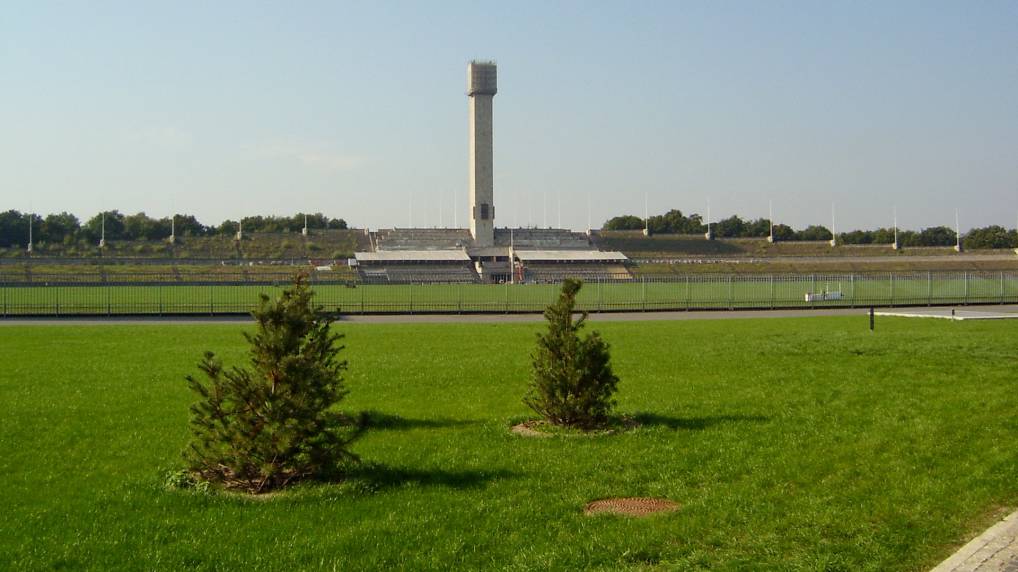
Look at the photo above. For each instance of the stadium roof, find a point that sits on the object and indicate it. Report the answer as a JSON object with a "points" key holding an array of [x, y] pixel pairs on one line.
{"points": [[413, 256], [569, 256]]}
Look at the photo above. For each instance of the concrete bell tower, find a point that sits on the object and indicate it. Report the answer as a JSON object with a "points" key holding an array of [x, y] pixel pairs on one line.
{"points": [[481, 89]]}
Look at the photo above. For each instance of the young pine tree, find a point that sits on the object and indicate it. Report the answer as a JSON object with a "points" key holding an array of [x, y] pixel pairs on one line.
{"points": [[262, 427], [572, 383]]}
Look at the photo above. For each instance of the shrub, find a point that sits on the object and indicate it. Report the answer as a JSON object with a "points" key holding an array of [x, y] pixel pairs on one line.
{"points": [[262, 428], [572, 383]]}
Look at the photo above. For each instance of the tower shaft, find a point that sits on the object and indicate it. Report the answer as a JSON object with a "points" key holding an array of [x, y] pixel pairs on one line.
{"points": [[481, 89]]}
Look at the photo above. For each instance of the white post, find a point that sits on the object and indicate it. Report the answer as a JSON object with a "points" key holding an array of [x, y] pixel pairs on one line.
{"points": [[512, 261], [240, 229], [102, 232], [304, 231], [29, 249], [173, 229]]}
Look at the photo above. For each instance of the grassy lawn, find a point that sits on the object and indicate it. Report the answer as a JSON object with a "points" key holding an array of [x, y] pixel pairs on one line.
{"points": [[791, 444], [645, 293]]}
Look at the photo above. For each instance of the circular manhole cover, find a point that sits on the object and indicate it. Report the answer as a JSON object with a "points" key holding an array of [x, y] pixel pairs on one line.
{"points": [[630, 506]]}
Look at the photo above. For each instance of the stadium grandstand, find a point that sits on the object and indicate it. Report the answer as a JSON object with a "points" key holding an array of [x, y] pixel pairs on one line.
{"points": [[483, 253], [552, 266], [415, 266]]}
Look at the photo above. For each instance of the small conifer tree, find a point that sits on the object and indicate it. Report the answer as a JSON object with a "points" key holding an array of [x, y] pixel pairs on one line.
{"points": [[572, 383], [262, 427]]}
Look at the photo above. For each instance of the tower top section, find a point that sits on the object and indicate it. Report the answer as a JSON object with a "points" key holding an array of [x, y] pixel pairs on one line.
{"points": [[481, 78]]}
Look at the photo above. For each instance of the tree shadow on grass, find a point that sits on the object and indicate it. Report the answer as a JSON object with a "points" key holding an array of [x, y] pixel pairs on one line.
{"points": [[376, 476], [383, 421], [694, 423]]}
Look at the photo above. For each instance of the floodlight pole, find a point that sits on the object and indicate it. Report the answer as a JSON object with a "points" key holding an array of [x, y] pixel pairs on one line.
{"points": [[173, 229], [895, 244], [646, 215], [834, 236], [30, 217], [544, 207], [957, 233], [240, 230], [708, 235], [588, 214], [304, 231], [560, 208], [770, 220], [102, 231]]}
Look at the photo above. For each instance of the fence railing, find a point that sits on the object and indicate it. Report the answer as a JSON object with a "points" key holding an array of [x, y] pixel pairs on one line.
{"points": [[60, 295]]}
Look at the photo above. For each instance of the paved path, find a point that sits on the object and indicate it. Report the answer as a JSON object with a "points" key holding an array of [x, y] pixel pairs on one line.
{"points": [[995, 550]]}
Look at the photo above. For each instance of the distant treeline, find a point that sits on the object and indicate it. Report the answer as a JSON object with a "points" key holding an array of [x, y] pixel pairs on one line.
{"points": [[674, 222], [66, 228]]}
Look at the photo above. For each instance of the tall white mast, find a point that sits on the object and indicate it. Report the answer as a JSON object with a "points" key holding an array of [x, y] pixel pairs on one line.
{"points": [[895, 212], [559, 208], [708, 235], [30, 217], [834, 235], [588, 213], [102, 231], [770, 219], [957, 232], [646, 215]]}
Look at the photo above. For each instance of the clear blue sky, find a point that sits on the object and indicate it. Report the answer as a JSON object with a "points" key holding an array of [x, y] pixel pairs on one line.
{"points": [[225, 109]]}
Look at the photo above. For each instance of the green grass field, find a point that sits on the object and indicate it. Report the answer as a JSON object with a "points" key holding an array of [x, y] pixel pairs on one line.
{"points": [[663, 293], [791, 444]]}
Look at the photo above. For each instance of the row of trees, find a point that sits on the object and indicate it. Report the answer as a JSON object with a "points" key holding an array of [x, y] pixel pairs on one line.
{"points": [[66, 228], [674, 222]]}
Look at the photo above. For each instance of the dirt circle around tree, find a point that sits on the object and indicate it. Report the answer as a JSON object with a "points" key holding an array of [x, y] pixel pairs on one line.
{"points": [[540, 428], [630, 506]]}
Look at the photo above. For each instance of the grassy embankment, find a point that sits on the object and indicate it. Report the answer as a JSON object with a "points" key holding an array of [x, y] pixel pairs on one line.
{"points": [[321, 244], [798, 444], [757, 256]]}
